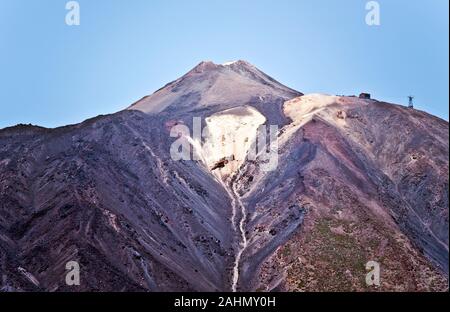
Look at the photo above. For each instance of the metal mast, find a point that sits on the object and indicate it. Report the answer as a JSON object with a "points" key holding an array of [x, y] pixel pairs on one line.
{"points": [[410, 101]]}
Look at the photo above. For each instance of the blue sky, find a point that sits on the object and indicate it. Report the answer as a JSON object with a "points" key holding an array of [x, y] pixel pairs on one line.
{"points": [[52, 74]]}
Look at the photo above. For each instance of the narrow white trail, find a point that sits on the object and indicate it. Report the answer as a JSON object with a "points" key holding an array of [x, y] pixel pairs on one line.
{"points": [[236, 205]]}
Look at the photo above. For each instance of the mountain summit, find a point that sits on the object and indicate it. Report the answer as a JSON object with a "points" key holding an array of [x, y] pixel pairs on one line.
{"points": [[208, 84]]}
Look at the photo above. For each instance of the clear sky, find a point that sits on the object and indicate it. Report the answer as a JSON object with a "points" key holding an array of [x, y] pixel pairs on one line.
{"points": [[52, 74]]}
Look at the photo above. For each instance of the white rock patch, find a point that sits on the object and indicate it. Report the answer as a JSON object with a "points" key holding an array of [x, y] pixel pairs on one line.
{"points": [[229, 136]]}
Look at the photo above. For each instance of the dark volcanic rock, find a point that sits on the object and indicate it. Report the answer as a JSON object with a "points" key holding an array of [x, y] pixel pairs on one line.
{"points": [[357, 180]]}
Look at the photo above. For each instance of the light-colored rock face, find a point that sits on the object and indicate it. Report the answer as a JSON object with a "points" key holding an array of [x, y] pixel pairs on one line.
{"points": [[300, 108], [329, 107], [228, 137]]}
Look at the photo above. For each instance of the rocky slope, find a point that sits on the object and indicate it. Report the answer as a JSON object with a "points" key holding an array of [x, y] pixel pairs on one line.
{"points": [[369, 181], [356, 180]]}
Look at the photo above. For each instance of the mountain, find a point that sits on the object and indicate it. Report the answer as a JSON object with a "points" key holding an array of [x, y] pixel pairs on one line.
{"points": [[211, 86], [355, 180]]}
